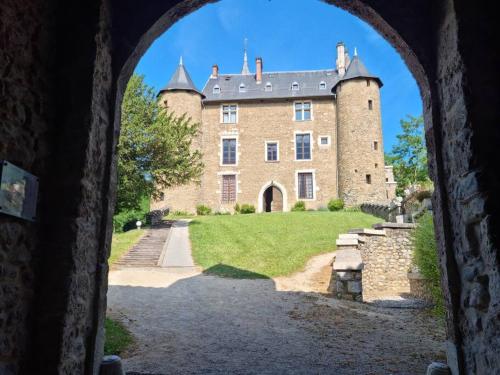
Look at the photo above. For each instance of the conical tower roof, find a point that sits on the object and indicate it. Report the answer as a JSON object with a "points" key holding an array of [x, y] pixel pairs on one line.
{"points": [[180, 81], [357, 69]]}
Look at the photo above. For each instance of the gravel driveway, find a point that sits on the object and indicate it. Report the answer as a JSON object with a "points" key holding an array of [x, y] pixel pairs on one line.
{"points": [[185, 322]]}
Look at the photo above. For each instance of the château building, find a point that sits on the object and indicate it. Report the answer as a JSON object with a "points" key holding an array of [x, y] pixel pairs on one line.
{"points": [[271, 139]]}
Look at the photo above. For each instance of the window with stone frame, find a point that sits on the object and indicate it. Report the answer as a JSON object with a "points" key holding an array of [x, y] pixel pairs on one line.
{"points": [[303, 111], [229, 113], [303, 146], [271, 151], [305, 185], [229, 151], [228, 193]]}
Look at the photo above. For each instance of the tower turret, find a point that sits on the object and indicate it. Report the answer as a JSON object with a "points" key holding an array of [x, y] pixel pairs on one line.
{"points": [[180, 96], [361, 175]]}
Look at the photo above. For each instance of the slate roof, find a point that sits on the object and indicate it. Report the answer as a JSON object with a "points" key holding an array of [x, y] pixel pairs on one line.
{"points": [[180, 81], [357, 69], [281, 82], [309, 85]]}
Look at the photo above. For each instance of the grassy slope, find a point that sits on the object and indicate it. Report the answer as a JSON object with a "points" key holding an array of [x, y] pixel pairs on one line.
{"points": [[122, 242], [268, 244]]}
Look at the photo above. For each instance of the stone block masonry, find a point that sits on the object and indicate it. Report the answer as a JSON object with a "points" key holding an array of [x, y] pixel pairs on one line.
{"points": [[375, 263]]}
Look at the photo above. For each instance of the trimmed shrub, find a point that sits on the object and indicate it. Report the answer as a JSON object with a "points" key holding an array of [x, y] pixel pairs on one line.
{"points": [[126, 220], [335, 204], [247, 209], [299, 206], [425, 257], [237, 208], [203, 210]]}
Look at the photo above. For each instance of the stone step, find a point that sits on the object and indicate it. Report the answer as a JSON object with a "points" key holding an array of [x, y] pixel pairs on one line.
{"points": [[347, 242], [348, 236], [347, 260], [370, 232]]}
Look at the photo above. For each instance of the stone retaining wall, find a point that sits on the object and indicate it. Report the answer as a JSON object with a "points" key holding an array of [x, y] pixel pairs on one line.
{"points": [[387, 260], [375, 263]]}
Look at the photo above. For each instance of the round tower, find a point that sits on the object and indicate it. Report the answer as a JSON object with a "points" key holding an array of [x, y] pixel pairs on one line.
{"points": [[361, 175], [181, 97]]}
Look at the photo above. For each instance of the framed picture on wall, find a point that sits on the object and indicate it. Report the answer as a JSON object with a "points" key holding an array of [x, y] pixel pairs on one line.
{"points": [[18, 192]]}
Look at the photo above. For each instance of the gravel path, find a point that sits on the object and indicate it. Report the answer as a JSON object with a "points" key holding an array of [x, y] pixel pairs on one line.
{"points": [[189, 323]]}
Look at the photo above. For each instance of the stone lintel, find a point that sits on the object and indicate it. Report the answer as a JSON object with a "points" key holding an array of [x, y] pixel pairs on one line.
{"points": [[394, 225], [367, 231], [346, 260]]}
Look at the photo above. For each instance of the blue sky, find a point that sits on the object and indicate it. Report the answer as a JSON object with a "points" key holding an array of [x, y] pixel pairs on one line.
{"points": [[288, 35]]}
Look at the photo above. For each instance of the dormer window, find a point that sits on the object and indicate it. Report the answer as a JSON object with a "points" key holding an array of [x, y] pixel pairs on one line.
{"points": [[295, 86], [216, 89], [242, 88], [322, 85], [269, 87]]}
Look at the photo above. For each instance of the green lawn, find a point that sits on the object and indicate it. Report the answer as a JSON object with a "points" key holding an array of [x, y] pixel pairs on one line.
{"points": [[122, 242], [118, 338], [268, 245]]}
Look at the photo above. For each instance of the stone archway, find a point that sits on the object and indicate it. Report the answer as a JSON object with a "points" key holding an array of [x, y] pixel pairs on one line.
{"points": [[62, 119], [272, 191]]}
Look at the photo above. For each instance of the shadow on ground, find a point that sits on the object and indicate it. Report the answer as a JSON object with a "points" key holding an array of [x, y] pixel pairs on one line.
{"points": [[187, 322]]}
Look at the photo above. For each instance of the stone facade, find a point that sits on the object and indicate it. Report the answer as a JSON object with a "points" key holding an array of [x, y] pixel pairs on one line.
{"points": [[360, 146], [350, 166]]}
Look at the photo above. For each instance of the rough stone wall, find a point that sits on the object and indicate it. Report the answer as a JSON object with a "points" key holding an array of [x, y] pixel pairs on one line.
{"points": [[185, 197], [358, 128], [270, 121], [387, 261], [25, 129]]}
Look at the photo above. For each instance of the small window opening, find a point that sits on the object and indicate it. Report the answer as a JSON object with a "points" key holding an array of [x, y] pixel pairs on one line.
{"points": [[295, 86], [269, 86], [165, 103], [322, 85], [376, 165], [368, 178], [375, 145], [367, 82], [216, 90], [370, 104], [243, 88]]}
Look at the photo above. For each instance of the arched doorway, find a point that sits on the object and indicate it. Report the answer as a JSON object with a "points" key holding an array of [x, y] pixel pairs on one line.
{"points": [[273, 199]]}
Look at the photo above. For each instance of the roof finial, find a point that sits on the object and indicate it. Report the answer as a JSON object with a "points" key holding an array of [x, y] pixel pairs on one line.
{"points": [[245, 69], [355, 51], [180, 61]]}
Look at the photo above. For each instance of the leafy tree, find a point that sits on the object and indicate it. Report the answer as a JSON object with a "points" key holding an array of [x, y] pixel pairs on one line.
{"points": [[155, 148], [409, 155]]}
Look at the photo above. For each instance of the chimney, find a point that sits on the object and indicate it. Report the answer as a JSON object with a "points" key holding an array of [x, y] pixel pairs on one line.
{"points": [[215, 71], [258, 69], [340, 59]]}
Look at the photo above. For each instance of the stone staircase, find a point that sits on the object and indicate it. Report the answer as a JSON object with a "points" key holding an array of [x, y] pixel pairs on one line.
{"points": [[147, 252]]}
